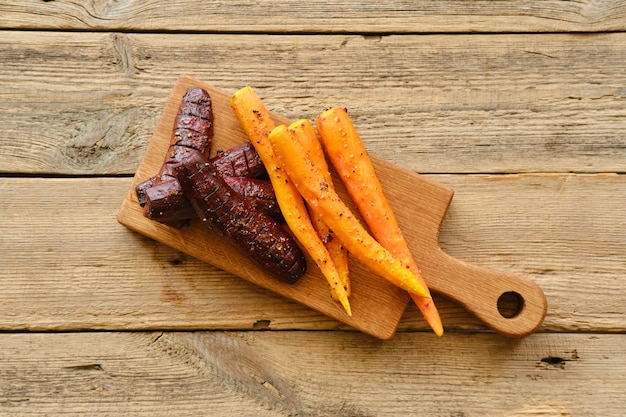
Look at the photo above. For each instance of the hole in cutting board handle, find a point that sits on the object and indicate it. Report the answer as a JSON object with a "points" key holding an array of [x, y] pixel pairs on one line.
{"points": [[510, 304]]}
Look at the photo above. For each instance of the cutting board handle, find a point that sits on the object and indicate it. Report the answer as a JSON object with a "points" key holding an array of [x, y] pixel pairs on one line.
{"points": [[485, 292]]}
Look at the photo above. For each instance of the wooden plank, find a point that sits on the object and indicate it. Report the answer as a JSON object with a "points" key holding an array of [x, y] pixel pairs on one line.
{"points": [[68, 264], [456, 16], [311, 373], [87, 103]]}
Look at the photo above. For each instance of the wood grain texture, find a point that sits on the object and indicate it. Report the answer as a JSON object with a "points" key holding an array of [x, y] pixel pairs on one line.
{"points": [[71, 266], [274, 16], [468, 91], [431, 104], [310, 373]]}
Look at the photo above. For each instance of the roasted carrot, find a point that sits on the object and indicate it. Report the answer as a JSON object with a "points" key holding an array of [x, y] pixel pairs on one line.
{"points": [[257, 123], [304, 132], [318, 193], [348, 155], [338, 253]]}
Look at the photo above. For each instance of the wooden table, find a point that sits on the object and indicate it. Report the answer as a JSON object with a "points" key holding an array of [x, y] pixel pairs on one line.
{"points": [[520, 107]]}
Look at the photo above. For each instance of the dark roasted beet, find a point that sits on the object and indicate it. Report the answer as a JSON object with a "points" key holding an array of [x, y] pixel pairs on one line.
{"points": [[254, 232]]}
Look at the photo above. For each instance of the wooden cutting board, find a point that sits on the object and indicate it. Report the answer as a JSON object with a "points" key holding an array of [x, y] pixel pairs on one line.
{"points": [[420, 205]]}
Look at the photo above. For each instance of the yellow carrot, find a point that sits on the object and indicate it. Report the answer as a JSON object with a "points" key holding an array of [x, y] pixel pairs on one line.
{"points": [[318, 193], [304, 132], [338, 253], [348, 155], [257, 123]]}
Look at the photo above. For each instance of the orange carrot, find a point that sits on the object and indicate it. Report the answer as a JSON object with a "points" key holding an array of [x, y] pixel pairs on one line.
{"points": [[349, 156], [318, 193], [257, 123], [304, 132]]}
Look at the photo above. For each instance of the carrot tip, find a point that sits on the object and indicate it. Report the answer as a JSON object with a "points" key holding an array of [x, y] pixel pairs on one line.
{"points": [[346, 306]]}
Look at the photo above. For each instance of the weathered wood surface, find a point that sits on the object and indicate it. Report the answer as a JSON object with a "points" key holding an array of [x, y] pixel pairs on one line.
{"points": [[87, 103], [539, 92], [62, 246], [341, 374], [272, 16]]}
